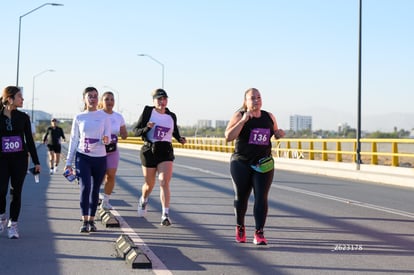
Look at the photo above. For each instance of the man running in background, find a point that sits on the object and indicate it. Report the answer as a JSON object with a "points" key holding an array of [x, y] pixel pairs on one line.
{"points": [[53, 144]]}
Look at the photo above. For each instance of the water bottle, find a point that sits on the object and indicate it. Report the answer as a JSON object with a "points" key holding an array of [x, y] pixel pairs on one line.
{"points": [[69, 175], [35, 174]]}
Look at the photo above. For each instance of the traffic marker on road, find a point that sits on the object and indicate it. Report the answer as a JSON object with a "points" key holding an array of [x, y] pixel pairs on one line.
{"points": [[132, 255]]}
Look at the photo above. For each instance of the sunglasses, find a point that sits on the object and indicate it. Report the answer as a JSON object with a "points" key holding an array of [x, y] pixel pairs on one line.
{"points": [[9, 125]]}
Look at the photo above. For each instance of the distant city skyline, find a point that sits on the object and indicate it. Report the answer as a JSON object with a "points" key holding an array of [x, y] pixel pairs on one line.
{"points": [[383, 123]]}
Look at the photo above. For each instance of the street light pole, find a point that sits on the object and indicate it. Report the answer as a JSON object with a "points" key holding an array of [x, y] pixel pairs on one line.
{"points": [[20, 29], [162, 65], [358, 133], [33, 91]]}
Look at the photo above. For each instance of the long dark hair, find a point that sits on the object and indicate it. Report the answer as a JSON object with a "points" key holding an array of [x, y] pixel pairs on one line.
{"points": [[87, 90], [8, 92]]}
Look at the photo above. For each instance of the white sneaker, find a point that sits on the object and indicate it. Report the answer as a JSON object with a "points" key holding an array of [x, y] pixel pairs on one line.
{"points": [[3, 225], [51, 172], [105, 205], [165, 220], [13, 231], [142, 208], [55, 169]]}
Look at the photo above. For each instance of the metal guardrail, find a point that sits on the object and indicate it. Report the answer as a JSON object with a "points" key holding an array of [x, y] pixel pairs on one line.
{"points": [[394, 152]]}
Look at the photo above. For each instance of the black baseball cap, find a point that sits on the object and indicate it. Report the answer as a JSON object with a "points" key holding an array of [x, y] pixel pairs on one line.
{"points": [[53, 120], [158, 93]]}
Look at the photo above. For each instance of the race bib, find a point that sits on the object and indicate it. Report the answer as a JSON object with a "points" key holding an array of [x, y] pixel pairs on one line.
{"points": [[11, 144], [114, 138], [160, 132], [259, 136], [88, 142]]}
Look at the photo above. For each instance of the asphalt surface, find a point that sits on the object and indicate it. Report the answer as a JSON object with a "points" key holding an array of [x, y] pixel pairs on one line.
{"points": [[316, 225]]}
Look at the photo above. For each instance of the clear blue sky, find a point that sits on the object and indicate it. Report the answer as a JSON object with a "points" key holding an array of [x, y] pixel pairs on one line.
{"points": [[301, 55]]}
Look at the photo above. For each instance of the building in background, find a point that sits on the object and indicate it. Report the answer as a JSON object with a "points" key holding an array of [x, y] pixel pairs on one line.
{"points": [[221, 123], [300, 123], [37, 116], [204, 123]]}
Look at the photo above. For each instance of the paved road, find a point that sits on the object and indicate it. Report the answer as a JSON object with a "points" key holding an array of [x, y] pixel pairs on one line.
{"points": [[316, 225]]}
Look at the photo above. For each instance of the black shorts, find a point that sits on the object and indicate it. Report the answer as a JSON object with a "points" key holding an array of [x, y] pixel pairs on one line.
{"points": [[154, 153], [57, 148]]}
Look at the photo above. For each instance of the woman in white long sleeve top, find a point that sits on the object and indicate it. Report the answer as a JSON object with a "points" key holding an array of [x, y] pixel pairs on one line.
{"points": [[91, 131]]}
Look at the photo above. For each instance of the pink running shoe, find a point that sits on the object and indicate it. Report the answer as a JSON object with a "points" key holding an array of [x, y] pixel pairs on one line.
{"points": [[259, 238], [240, 234]]}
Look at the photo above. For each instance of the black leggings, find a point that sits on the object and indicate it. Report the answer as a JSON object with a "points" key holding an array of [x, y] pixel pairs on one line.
{"points": [[13, 170], [244, 180]]}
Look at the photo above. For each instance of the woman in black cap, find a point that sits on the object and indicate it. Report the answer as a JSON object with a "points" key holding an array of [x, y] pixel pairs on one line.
{"points": [[157, 126]]}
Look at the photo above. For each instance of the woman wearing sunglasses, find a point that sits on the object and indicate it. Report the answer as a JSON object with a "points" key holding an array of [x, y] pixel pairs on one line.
{"points": [[16, 142]]}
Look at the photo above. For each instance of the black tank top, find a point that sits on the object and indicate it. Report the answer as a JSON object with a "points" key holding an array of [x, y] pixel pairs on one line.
{"points": [[253, 142]]}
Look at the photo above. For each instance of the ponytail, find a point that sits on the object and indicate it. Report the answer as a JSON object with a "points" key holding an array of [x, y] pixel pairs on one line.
{"points": [[9, 91]]}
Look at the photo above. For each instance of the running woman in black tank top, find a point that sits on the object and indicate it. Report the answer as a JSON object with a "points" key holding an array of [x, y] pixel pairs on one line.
{"points": [[252, 128]]}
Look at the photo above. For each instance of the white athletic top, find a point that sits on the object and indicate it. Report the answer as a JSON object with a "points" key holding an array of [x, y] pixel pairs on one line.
{"points": [[117, 120], [163, 128], [88, 129]]}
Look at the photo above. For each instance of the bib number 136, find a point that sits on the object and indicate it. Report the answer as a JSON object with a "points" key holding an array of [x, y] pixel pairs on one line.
{"points": [[259, 136]]}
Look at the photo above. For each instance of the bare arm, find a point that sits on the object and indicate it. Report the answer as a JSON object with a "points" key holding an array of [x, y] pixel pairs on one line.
{"points": [[278, 133], [235, 125], [123, 132]]}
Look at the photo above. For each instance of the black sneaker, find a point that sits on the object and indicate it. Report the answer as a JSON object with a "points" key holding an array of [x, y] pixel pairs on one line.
{"points": [[84, 228], [92, 226]]}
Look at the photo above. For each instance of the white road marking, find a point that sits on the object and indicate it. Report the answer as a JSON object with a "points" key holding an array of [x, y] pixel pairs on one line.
{"points": [[158, 266], [348, 201], [316, 194]]}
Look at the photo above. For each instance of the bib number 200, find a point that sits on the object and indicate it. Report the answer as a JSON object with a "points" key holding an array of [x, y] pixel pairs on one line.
{"points": [[11, 144]]}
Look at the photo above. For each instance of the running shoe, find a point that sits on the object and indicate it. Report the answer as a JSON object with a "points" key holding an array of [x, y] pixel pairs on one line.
{"points": [[84, 227], [92, 226], [165, 220], [259, 238], [105, 205], [142, 207], [240, 234], [3, 225], [55, 169], [51, 172], [13, 231]]}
